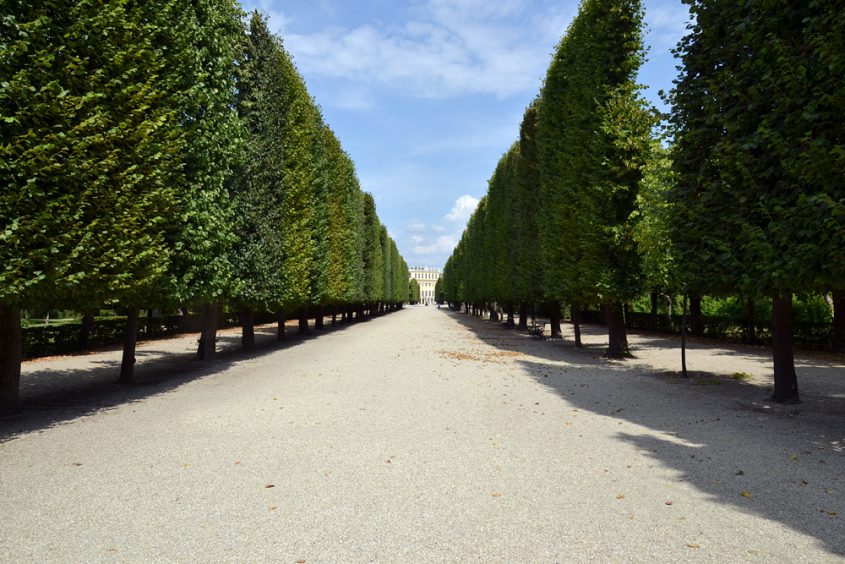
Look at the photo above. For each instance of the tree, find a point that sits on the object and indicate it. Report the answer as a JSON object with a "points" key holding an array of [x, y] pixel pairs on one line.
{"points": [[258, 188], [758, 147], [527, 282], [373, 257], [202, 270], [93, 143], [593, 141]]}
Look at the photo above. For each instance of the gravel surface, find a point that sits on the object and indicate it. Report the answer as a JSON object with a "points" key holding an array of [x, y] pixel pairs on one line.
{"points": [[426, 435]]}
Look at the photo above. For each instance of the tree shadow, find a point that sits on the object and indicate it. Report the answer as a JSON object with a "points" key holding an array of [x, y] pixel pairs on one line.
{"points": [[718, 433], [52, 395]]}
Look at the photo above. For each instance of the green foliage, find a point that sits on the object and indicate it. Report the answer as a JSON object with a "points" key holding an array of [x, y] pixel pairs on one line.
{"points": [[208, 41], [373, 257], [414, 291], [594, 136], [258, 189], [758, 147], [90, 149], [526, 257]]}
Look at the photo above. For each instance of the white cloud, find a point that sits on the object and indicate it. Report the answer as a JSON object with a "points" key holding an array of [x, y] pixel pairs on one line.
{"points": [[442, 245], [463, 208], [277, 21], [452, 47], [416, 226]]}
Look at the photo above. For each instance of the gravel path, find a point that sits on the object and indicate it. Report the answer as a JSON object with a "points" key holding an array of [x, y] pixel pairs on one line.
{"points": [[427, 435]]}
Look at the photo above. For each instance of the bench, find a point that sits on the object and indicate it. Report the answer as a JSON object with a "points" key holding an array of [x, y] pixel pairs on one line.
{"points": [[537, 330]]}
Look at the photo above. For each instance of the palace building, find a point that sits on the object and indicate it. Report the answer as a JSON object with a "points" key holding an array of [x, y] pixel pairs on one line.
{"points": [[426, 278]]}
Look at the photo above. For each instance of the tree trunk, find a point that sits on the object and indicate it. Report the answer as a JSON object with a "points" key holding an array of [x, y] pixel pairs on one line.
{"points": [[696, 323], [334, 316], [130, 340], [509, 311], [554, 320], [652, 320], [85, 332], [494, 315], [576, 324], [281, 335], [303, 322], [318, 318], [839, 321], [11, 345], [626, 310], [786, 381], [248, 333], [208, 337], [617, 337], [523, 317], [750, 336], [684, 337]]}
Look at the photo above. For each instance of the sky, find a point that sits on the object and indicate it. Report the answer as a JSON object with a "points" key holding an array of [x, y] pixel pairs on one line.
{"points": [[426, 95]]}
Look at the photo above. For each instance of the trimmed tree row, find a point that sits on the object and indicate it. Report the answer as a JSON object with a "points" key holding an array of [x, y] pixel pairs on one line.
{"points": [[744, 196], [170, 156]]}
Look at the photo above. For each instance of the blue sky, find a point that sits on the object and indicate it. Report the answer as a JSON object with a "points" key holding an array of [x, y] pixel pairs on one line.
{"points": [[426, 95]]}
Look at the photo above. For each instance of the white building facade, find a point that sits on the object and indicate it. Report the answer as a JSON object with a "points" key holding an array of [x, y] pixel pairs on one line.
{"points": [[426, 278]]}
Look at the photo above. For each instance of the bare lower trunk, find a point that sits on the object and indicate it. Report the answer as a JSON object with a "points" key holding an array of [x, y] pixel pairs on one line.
{"points": [[130, 340], [523, 317], [839, 321], [334, 316], [10, 358], [318, 318], [509, 321], [652, 320], [616, 334], [494, 315], [85, 332], [281, 335], [303, 322], [576, 324], [750, 335], [696, 322], [248, 333], [554, 320], [208, 338], [786, 381]]}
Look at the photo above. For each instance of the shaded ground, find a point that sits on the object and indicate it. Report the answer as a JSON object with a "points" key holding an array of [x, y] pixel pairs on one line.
{"points": [[429, 435]]}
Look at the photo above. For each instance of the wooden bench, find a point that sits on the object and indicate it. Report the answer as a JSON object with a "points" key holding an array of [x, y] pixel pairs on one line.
{"points": [[537, 330]]}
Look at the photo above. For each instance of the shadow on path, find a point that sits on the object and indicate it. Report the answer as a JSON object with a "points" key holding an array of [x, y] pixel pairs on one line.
{"points": [[720, 435], [53, 393]]}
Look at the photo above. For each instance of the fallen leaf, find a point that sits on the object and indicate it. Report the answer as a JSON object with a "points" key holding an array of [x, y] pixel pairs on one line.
{"points": [[271, 508], [793, 457], [832, 513], [740, 473], [77, 464], [497, 494], [745, 493], [668, 502], [300, 562], [694, 545], [186, 465], [620, 496], [269, 485]]}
